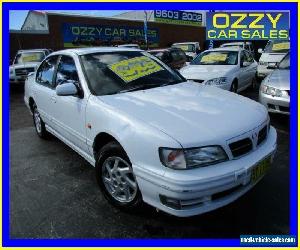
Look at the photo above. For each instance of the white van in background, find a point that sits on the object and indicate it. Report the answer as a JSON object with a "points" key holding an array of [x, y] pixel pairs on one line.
{"points": [[272, 54]]}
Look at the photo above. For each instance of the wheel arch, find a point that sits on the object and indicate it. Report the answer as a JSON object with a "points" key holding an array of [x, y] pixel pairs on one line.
{"points": [[102, 139]]}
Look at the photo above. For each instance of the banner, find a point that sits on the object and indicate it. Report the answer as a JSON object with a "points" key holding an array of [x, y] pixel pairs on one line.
{"points": [[82, 35], [178, 17], [247, 25]]}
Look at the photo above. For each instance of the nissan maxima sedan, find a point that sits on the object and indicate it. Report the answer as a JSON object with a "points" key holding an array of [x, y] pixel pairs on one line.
{"points": [[181, 147], [274, 91], [231, 69]]}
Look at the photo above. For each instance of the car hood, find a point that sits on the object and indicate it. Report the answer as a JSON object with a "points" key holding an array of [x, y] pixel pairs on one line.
{"points": [[190, 113], [279, 78], [205, 72], [271, 57]]}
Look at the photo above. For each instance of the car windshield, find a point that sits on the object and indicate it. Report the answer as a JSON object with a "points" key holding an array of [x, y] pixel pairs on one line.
{"points": [[185, 47], [285, 63], [25, 57], [114, 72], [277, 46], [216, 58]]}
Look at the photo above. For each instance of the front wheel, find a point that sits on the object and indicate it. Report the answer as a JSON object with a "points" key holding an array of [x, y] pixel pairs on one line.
{"points": [[38, 123], [115, 177]]}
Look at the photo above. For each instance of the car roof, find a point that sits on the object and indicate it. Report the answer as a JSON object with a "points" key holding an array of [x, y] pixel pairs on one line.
{"points": [[225, 49], [185, 43], [34, 50], [83, 51], [236, 43], [128, 44]]}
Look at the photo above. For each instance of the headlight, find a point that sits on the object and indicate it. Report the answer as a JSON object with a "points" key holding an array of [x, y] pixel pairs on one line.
{"points": [[271, 91], [11, 71], [216, 81], [192, 158]]}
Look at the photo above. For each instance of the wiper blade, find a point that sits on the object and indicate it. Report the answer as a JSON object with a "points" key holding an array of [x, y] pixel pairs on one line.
{"points": [[140, 87]]}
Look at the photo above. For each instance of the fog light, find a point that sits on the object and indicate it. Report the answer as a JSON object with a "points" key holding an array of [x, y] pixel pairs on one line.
{"points": [[170, 202]]}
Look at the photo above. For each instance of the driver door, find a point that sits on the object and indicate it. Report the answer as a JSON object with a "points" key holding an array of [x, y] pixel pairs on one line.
{"points": [[69, 114]]}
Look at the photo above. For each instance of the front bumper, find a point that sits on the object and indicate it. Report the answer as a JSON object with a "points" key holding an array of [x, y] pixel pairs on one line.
{"points": [[197, 193], [275, 104]]}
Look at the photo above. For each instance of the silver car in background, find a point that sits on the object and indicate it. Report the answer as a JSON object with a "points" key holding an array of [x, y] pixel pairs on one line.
{"points": [[274, 91]]}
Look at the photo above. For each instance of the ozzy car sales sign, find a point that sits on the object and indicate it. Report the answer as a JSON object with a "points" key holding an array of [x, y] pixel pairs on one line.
{"points": [[81, 35], [247, 25], [178, 17]]}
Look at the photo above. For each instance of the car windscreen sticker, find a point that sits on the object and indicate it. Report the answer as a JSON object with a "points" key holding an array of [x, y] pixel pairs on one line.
{"points": [[30, 58], [184, 47], [214, 57], [281, 46], [134, 68]]}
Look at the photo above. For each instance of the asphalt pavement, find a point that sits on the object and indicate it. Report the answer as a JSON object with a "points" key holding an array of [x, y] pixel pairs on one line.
{"points": [[54, 194]]}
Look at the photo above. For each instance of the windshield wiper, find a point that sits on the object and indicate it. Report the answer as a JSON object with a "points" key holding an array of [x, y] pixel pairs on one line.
{"points": [[141, 87]]}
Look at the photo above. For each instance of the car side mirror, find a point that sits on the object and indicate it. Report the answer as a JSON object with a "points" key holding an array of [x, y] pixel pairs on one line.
{"points": [[68, 88], [260, 51], [272, 66], [246, 64]]}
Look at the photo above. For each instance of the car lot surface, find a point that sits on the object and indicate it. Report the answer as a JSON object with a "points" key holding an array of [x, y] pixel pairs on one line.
{"points": [[54, 194]]}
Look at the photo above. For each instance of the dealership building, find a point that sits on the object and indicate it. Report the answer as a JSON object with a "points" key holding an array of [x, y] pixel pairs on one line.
{"points": [[49, 29]]}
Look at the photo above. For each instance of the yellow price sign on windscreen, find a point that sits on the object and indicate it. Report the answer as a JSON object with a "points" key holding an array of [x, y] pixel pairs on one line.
{"points": [[184, 47], [134, 68], [281, 46], [214, 57], [30, 58]]}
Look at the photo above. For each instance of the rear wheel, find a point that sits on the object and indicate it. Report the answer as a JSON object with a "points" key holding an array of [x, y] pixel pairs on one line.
{"points": [[38, 123], [115, 177], [234, 86]]}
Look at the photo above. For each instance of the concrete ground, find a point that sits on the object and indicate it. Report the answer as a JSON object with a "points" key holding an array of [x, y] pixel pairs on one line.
{"points": [[54, 194]]}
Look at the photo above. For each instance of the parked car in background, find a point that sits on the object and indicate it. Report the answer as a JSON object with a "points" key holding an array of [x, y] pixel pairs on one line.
{"points": [[275, 88], [243, 45], [173, 57], [182, 147], [272, 54], [191, 49], [131, 45], [231, 69], [25, 62]]}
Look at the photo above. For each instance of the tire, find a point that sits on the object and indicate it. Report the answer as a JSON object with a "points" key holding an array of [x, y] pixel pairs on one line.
{"points": [[234, 86], [115, 177], [254, 83], [38, 123]]}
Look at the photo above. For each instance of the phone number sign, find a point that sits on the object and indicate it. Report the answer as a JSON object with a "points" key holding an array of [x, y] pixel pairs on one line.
{"points": [[247, 25], [178, 17]]}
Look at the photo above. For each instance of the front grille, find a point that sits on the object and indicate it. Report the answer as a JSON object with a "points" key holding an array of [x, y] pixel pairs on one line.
{"points": [[284, 109], [23, 71], [262, 135], [240, 147], [271, 106], [196, 80]]}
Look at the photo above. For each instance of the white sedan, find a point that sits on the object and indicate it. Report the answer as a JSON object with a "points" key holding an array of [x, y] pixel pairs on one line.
{"points": [[182, 147], [231, 69]]}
